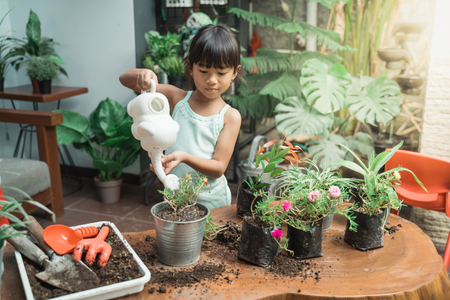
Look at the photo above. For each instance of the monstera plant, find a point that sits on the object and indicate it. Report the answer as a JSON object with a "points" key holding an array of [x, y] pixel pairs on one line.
{"points": [[327, 91]]}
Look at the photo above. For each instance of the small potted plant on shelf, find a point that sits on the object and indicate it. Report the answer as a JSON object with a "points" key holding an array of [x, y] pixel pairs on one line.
{"points": [[107, 138], [43, 70], [251, 191], [34, 45], [374, 196], [180, 222]]}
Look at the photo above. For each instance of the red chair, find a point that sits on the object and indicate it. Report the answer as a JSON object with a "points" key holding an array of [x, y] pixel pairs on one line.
{"points": [[434, 173]]}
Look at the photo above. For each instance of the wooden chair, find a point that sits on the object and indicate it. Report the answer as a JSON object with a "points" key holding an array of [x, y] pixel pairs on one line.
{"points": [[434, 173], [45, 123]]}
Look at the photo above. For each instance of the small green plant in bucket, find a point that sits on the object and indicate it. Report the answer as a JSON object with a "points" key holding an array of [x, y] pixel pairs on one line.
{"points": [[187, 194]]}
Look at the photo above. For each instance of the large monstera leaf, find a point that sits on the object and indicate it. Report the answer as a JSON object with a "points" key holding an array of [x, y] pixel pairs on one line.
{"points": [[285, 86], [324, 88], [327, 149], [295, 117], [378, 101]]}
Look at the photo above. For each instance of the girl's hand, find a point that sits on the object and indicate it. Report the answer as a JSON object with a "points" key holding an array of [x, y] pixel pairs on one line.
{"points": [[143, 79], [172, 160]]}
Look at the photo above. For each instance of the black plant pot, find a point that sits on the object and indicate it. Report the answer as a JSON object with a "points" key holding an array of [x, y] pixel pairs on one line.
{"points": [[245, 198], [370, 233], [178, 81], [2, 83], [306, 244], [45, 86], [257, 245]]}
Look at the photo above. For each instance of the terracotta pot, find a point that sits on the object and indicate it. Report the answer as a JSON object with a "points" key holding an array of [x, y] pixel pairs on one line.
{"points": [[35, 86], [108, 191]]}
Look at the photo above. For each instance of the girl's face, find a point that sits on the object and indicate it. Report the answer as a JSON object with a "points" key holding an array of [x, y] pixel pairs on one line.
{"points": [[212, 82]]}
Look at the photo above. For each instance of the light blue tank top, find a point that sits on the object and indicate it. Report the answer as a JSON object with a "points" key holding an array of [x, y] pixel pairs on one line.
{"points": [[198, 136]]}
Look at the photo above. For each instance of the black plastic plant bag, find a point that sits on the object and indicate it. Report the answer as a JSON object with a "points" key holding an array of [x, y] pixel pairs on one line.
{"points": [[244, 200], [306, 244], [370, 234], [257, 245]]}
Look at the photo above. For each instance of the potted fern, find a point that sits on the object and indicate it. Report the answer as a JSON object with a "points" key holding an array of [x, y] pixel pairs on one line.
{"points": [[107, 138], [374, 196], [180, 222]]}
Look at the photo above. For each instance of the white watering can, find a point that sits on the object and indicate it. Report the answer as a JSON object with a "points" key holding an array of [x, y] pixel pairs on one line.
{"points": [[155, 128]]}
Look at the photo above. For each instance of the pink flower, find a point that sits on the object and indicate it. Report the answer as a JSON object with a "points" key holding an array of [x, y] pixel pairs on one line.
{"points": [[313, 195], [277, 233], [286, 205], [334, 191]]}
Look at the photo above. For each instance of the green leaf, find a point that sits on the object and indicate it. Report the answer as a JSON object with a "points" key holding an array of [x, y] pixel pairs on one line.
{"points": [[263, 184], [257, 18], [327, 149], [270, 167], [282, 153], [267, 60], [324, 88], [257, 106], [33, 29], [107, 166], [108, 117], [72, 129], [120, 142], [383, 158], [366, 170], [328, 38], [329, 3], [276, 172], [285, 86], [377, 102], [295, 117]]}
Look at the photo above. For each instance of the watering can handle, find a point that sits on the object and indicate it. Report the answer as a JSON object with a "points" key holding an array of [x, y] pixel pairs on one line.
{"points": [[254, 148], [152, 87]]}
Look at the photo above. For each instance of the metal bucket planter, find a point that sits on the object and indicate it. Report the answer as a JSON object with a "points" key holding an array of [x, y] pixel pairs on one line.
{"points": [[306, 244], [179, 243], [327, 222]]}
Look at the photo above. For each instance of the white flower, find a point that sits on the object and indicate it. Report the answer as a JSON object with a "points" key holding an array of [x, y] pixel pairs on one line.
{"points": [[284, 6], [397, 175]]}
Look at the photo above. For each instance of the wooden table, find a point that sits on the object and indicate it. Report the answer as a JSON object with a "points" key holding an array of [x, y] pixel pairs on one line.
{"points": [[407, 267], [25, 93]]}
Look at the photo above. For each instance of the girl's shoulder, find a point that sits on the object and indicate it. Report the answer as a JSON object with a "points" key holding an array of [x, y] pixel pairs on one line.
{"points": [[232, 115], [173, 94]]}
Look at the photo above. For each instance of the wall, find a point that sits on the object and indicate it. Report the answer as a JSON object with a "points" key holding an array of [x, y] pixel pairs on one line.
{"points": [[97, 43]]}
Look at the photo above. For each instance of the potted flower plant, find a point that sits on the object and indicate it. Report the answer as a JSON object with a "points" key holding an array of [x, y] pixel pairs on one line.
{"points": [[107, 138], [374, 195], [259, 243], [34, 45], [43, 70], [312, 177], [250, 191], [10, 208], [180, 222]]}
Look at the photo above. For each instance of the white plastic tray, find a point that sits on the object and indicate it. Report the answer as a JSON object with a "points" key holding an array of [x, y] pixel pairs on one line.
{"points": [[101, 293]]}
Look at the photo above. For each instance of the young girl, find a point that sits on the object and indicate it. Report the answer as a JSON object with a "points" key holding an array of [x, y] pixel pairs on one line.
{"points": [[208, 126]]}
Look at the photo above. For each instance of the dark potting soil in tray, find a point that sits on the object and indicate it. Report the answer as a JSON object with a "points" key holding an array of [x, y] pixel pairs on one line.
{"points": [[121, 267], [188, 214]]}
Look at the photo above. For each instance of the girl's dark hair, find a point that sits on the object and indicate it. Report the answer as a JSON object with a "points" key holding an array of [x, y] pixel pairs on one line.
{"points": [[215, 46]]}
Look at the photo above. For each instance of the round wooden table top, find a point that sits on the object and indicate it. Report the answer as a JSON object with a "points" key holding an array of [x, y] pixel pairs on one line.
{"points": [[407, 267]]}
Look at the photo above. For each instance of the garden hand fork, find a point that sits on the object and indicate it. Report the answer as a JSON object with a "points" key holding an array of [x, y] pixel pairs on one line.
{"points": [[94, 246]]}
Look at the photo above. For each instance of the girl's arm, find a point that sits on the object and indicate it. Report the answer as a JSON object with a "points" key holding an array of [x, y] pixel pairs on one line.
{"points": [[139, 80], [216, 166]]}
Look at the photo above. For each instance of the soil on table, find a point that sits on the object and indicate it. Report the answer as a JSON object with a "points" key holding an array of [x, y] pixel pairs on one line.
{"points": [[121, 267], [231, 236], [188, 214], [286, 266]]}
